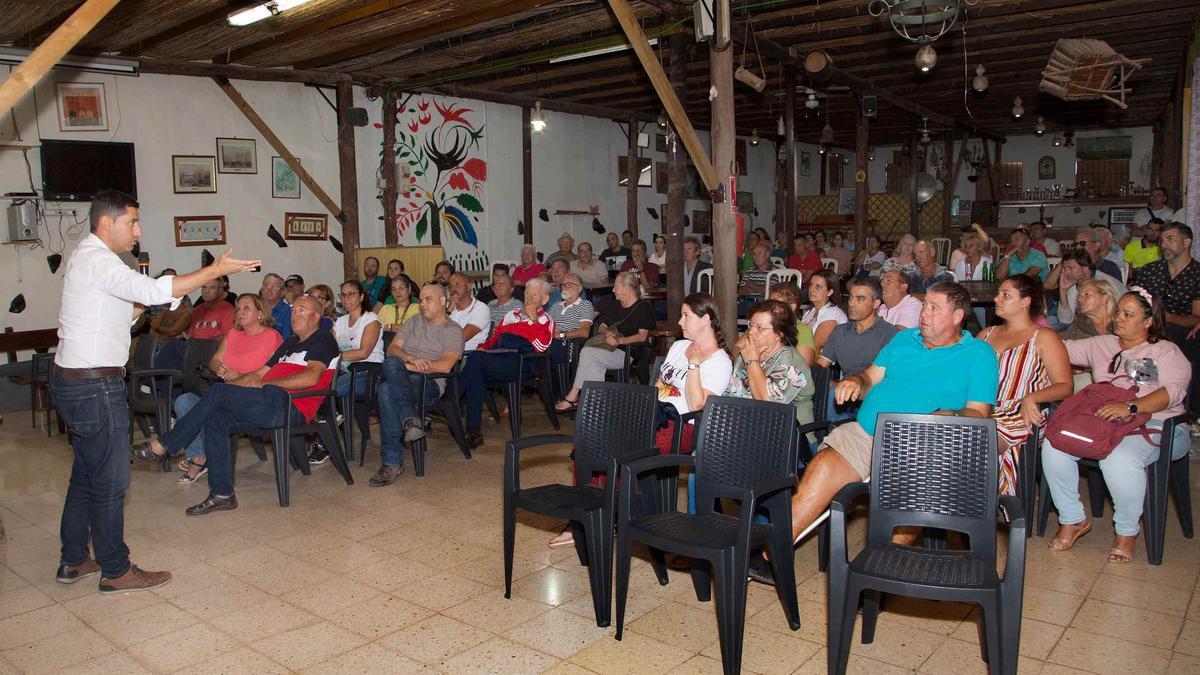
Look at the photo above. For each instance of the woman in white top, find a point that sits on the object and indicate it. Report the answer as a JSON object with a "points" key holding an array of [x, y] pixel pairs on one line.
{"points": [[358, 335], [824, 315], [902, 259], [871, 259], [659, 257], [695, 368], [969, 265]]}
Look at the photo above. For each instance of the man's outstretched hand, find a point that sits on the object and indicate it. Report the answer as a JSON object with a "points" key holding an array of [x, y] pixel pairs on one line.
{"points": [[227, 264]]}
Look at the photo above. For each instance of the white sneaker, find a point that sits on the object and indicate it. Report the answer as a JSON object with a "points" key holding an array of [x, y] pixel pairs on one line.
{"points": [[1194, 428]]}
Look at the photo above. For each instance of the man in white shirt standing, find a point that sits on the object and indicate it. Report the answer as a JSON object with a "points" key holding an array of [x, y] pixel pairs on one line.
{"points": [[474, 316], [101, 297]]}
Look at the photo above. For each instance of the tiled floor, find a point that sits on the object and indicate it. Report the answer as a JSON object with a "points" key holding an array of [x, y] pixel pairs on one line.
{"points": [[409, 578]]}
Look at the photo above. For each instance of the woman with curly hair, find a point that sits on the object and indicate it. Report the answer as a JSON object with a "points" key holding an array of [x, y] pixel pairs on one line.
{"points": [[695, 368]]}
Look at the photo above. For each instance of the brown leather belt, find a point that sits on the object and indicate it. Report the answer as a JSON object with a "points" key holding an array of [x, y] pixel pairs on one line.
{"points": [[89, 373]]}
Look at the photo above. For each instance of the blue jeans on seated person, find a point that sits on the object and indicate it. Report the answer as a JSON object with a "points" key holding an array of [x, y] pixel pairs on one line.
{"points": [[398, 395], [225, 409], [341, 385], [480, 370], [1124, 474], [183, 404]]}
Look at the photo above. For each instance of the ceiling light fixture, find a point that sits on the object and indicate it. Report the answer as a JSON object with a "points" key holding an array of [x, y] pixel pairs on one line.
{"points": [[980, 81], [827, 135], [754, 139], [1040, 127], [597, 52], [920, 21], [821, 150], [1018, 110], [926, 58], [780, 128], [811, 102], [537, 121], [265, 10], [1058, 139], [870, 154], [662, 120]]}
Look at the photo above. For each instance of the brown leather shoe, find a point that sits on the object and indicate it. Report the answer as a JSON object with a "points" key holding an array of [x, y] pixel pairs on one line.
{"points": [[136, 579], [69, 574]]}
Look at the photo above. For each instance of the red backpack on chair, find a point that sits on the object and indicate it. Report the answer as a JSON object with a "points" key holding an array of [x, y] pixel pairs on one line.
{"points": [[1075, 429]]}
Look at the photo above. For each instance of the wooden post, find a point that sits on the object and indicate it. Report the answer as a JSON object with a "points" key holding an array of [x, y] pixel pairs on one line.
{"points": [[632, 173], [993, 183], [861, 173], [951, 173], [41, 60], [824, 156], [388, 116], [241, 104], [527, 175], [348, 175], [914, 224], [676, 188], [791, 189], [724, 225]]}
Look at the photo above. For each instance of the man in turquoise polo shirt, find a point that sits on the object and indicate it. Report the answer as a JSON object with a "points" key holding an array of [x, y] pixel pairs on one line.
{"points": [[1022, 259], [935, 368]]}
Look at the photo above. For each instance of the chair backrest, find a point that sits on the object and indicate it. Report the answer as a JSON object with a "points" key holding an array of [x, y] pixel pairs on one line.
{"points": [[195, 359], [42, 365], [1052, 263], [777, 262], [704, 281], [830, 264], [742, 443], [820, 400], [935, 471], [512, 264], [779, 276], [612, 418], [143, 352], [941, 249]]}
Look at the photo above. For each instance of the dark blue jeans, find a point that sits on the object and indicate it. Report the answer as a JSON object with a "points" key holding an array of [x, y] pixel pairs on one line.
{"points": [[227, 408], [399, 394], [98, 415], [480, 370]]}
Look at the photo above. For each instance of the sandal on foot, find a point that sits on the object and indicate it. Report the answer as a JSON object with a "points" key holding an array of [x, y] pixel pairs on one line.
{"points": [[1064, 544], [143, 452], [1119, 557], [184, 465], [187, 478], [565, 405]]}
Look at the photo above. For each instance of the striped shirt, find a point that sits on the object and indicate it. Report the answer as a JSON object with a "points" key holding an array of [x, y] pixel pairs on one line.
{"points": [[567, 318], [499, 309]]}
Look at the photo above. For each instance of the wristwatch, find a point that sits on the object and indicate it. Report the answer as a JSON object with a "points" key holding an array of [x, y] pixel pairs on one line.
{"points": [[750, 362], [693, 366], [1132, 408]]}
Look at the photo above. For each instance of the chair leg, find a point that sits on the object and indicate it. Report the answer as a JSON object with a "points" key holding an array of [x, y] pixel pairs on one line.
{"points": [[823, 547], [259, 449], [1154, 513], [991, 620], [1181, 487], [163, 417], [870, 612], [514, 408], [593, 532], [418, 457], [347, 406], [510, 535], [454, 421], [783, 563], [624, 552], [329, 437], [702, 579], [282, 470], [490, 400], [1044, 503], [1096, 491], [730, 572], [658, 562]]}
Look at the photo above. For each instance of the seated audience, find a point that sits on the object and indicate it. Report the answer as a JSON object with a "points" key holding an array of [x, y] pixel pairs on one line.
{"points": [[820, 242], [781, 247], [1022, 259], [395, 268], [243, 350], [898, 307], [1088, 240], [529, 268], [1144, 250], [789, 294], [615, 254], [754, 280], [359, 335], [293, 288], [838, 251], [638, 261], [565, 245], [474, 316], [747, 259], [625, 318], [504, 302], [659, 257], [1033, 370], [804, 259], [572, 317], [591, 272], [442, 272], [527, 329], [401, 308], [488, 293], [768, 367], [272, 294], [304, 362], [557, 271], [967, 263], [824, 313], [870, 260], [324, 295], [372, 283], [695, 368], [229, 296], [1175, 281], [208, 321], [1097, 307], [929, 272], [902, 258], [853, 345], [1038, 239], [1112, 251], [692, 266], [430, 342], [1137, 352], [627, 239], [1076, 267]]}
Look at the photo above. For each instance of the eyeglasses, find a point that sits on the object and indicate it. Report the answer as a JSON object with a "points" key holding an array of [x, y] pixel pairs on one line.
{"points": [[762, 329], [1112, 365], [571, 283], [315, 296], [348, 295]]}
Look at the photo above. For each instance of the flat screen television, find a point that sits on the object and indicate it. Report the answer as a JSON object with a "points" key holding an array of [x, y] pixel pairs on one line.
{"points": [[74, 171]]}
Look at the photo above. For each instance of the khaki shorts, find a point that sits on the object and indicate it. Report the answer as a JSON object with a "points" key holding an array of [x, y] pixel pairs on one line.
{"points": [[854, 444]]}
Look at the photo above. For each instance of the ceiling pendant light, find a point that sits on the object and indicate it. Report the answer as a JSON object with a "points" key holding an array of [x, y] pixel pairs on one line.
{"points": [[870, 154], [1018, 110], [1058, 139], [926, 58], [1040, 127], [662, 120], [537, 121], [811, 102], [821, 150], [827, 134], [780, 128], [980, 82], [754, 137]]}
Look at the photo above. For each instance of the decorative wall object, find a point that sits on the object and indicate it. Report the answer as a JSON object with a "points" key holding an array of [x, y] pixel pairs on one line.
{"points": [[739, 155], [310, 226], [702, 221], [194, 173], [805, 163], [285, 184], [1046, 168], [644, 170], [81, 106], [660, 177], [199, 230], [237, 155]]}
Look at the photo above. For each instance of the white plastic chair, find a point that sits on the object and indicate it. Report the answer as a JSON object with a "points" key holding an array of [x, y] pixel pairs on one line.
{"points": [[942, 250], [780, 276], [830, 264], [701, 278], [777, 262], [1052, 263]]}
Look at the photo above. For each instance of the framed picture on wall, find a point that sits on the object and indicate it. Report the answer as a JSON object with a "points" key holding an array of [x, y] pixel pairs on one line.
{"points": [[311, 226], [199, 230], [805, 163], [645, 164], [1046, 168], [739, 156], [194, 173], [660, 142], [237, 155], [701, 221], [285, 184], [81, 106]]}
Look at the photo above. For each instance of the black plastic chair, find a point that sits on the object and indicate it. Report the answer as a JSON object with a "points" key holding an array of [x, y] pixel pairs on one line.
{"points": [[39, 389], [160, 383], [929, 471], [357, 407], [447, 407], [614, 421], [541, 373], [1163, 475], [196, 361], [142, 359], [324, 425], [745, 451]]}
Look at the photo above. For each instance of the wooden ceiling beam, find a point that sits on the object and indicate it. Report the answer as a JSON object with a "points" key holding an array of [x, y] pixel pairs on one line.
{"points": [[314, 27], [168, 33], [36, 34], [234, 72]]}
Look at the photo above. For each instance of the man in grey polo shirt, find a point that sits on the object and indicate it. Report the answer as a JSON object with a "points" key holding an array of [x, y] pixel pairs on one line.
{"points": [[854, 345]]}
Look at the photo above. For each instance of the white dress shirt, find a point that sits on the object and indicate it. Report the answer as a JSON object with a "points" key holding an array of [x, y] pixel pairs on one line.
{"points": [[97, 306]]}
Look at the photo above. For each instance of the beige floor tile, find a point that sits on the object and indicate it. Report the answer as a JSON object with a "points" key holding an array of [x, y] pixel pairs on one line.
{"points": [[813, 621], [10, 580], [633, 653], [370, 658], [897, 644], [433, 589], [1142, 594], [97, 606], [553, 586], [499, 656], [1105, 654], [1174, 572], [1182, 664], [567, 668], [768, 651], [244, 660], [21, 600], [818, 663], [164, 654], [35, 625], [302, 647], [144, 624], [435, 639], [449, 555], [108, 664], [331, 594], [1050, 606], [559, 633], [1128, 623], [489, 569], [210, 603], [198, 576], [379, 616], [493, 612], [957, 656], [688, 628], [1189, 638], [637, 603], [930, 615], [60, 651], [1037, 637], [256, 622], [702, 665]]}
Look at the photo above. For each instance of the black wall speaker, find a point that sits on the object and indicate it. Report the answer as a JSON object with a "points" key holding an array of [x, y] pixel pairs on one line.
{"points": [[870, 105], [356, 116]]}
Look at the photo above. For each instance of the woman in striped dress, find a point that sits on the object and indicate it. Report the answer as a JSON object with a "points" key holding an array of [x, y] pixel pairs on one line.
{"points": [[1034, 369]]}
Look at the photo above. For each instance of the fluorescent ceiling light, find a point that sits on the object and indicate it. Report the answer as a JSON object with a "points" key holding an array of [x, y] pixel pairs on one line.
{"points": [[598, 52], [94, 63], [266, 10]]}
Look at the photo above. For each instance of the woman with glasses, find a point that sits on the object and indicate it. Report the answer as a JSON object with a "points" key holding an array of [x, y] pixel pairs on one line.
{"points": [[1136, 354], [358, 334], [398, 307], [324, 295], [768, 367]]}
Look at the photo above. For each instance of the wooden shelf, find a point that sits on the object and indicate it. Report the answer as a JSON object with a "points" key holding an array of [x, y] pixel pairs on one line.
{"points": [[1094, 201], [19, 145], [21, 242], [16, 197]]}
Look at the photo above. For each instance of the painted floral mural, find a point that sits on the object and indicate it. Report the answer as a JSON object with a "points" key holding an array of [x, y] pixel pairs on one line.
{"points": [[441, 171]]}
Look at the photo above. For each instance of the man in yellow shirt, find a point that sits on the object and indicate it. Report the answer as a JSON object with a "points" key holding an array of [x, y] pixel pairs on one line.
{"points": [[1144, 251]]}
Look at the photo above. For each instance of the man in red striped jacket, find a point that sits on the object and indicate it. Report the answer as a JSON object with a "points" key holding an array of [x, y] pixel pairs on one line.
{"points": [[528, 328]]}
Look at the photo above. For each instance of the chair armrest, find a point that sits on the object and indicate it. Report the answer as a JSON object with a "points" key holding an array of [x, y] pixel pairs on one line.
{"points": [[781, 483], [496, 351], [640, 466], [632, 455], [847, 495], [688, 417], [512, 456], [1014, 565], [534, 441], [154, 372], [635, 345], [364, 367], [838, 553], [293, 395], [1010, 506], [440, 376]]}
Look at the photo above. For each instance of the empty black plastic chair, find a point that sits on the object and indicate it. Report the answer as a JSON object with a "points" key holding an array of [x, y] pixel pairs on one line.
{"points": [[613, 420], [745, 451], [447, 407], [929, 471]]}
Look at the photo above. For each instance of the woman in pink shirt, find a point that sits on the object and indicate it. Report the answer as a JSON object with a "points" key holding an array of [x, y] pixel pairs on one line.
{"points": [[244, 349], [1136, 353], [529, 267]]}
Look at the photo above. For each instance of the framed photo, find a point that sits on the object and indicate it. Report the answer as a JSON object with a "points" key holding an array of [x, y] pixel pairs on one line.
{"points": [[805, 163], [311, 226], [199, 230], [237, 155], [81, 106], [645, 166], [701, 221], [1046, 168], [194, 173], [285, 184]]}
